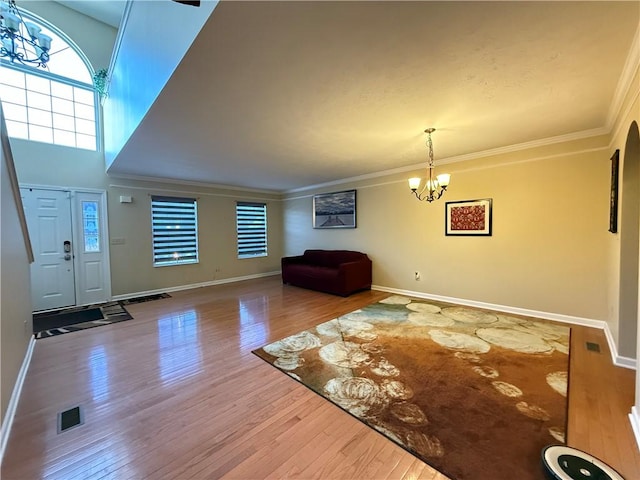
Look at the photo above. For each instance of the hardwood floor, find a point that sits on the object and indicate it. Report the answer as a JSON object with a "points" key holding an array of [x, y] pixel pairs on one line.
{"points": [[177, 393]]}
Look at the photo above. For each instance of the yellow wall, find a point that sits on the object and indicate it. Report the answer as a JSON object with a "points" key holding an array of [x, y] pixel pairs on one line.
{"points": [[548, 248], [625, 339], [132, 268], [15, 298], [131, 263], [95, 38], [623, 255]]}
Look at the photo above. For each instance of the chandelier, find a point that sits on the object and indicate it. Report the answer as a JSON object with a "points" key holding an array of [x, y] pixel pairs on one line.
{"points": [[435, 186], [22, 41]]}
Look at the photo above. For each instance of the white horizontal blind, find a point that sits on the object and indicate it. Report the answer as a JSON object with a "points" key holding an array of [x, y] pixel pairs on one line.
{"points": [[175, 230], [251, 227]]}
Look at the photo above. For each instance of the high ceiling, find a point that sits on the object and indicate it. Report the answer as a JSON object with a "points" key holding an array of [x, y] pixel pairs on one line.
{"points": [[283, 95], [109, 12]]}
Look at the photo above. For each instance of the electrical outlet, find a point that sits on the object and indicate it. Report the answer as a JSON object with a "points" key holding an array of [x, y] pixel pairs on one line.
{"points": [[417, 276]]}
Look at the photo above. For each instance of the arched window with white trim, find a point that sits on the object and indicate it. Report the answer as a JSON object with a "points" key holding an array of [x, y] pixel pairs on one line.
{"points": [[56, 104]]}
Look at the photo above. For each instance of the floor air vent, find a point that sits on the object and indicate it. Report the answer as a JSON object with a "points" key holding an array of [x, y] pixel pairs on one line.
{"points": [[593, 347], [69, 419]]}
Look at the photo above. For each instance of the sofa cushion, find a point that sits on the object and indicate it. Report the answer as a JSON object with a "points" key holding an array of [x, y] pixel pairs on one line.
{"points": [[303, 271], [331, 258], [340, 272]]}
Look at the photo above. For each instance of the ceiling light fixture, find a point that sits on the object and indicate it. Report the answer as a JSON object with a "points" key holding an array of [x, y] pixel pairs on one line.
{"points": [[22, 41], [434, 188]]}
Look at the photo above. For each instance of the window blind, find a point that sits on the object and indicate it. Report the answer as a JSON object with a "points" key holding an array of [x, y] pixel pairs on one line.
{"points": [[251, 227], [175, 230]]}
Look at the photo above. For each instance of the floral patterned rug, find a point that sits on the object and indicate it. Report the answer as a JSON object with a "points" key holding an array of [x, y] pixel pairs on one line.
{"points": [[475, 394]]}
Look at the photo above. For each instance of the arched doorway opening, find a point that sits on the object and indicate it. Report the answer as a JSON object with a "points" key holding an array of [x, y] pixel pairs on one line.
{"points": [[629, 245]]}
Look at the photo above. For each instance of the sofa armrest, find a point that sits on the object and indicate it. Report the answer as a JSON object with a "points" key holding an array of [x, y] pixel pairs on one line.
{"points": [[355, 275], [291, 260], [358, 265]]}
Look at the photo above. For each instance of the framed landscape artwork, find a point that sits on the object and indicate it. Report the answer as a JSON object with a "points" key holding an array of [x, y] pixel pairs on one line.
{"points": [[335, 210], [468, 217]]}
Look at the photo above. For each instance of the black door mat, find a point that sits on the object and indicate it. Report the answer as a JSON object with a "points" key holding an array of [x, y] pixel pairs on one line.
{"points": [[146, 298], [73, 319], [48, 321]]}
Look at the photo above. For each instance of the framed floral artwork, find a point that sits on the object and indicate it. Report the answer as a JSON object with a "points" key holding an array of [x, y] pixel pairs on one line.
{"points": [[469, 217]]}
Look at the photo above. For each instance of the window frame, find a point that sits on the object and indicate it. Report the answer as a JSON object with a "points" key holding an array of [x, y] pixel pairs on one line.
{"points": [[263, 231], [174, 200], [46, 74]]}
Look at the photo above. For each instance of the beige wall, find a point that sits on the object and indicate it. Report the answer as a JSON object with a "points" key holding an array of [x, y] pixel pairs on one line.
{"points": [[143, 66], [15, 287], [95, 38], [15, 299], [621, 253], [132, 263], [625, 241], [44, 164], [547, 251], [550, 249]]}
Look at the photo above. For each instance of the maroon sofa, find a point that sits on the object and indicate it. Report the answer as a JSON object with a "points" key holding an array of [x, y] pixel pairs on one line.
{"points": [[340, 272]]}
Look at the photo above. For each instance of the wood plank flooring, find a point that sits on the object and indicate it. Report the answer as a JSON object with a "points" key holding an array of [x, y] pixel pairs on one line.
{"points": [[176, 393]]}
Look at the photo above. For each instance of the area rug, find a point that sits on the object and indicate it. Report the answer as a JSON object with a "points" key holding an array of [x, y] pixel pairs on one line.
{"points": [[473, 393], [69, 320], [145, 298]]}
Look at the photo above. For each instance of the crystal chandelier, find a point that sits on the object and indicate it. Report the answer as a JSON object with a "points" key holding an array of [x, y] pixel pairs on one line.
{"points": [[435, 186], [22, 41]]}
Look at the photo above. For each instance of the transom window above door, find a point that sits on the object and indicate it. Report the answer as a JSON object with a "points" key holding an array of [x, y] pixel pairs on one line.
{"points": [[56, 104]]}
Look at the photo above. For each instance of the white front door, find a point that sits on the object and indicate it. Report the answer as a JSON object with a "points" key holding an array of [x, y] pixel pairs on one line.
{"points": [[92, 265], [68, 230], [48, 215]]}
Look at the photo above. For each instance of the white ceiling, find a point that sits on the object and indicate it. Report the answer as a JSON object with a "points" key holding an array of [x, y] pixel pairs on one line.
{"points": [[107, 11], [283, 95]]}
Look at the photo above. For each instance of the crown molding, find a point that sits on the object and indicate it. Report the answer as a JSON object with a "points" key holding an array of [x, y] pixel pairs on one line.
{"points": [[631, 66], [518, 147], [463, 158], [629, 70], [172, 181], [357, 178]]}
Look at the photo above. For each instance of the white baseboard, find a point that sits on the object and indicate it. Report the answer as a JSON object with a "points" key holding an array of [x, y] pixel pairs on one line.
{"points": [[193, 285], [618, 360], [625, 362], [7, 420], [634, 416]]}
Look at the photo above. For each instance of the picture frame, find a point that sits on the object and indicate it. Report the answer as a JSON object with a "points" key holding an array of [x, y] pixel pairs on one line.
{"points": [[613, 199], [469, 217], [335, 210]]}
